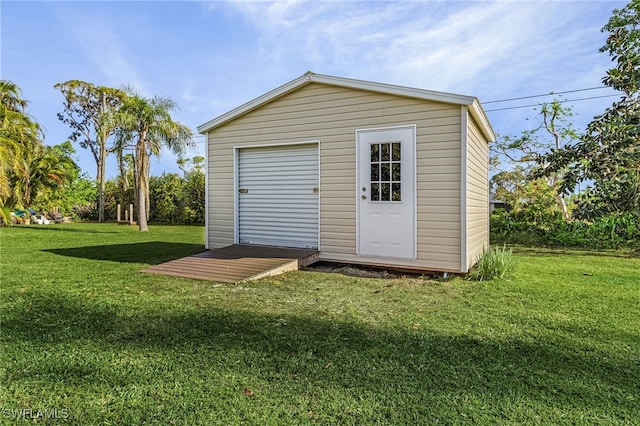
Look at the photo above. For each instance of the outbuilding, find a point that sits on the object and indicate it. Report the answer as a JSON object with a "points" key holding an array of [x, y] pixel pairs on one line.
{"points": [[363, 172]]}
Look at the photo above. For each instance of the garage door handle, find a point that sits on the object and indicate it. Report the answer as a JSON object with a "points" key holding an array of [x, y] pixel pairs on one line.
{"points": [[244, 191]]}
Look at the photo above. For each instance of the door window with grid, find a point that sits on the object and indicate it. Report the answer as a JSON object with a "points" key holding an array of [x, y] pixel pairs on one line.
{"points": [[386, 184]]}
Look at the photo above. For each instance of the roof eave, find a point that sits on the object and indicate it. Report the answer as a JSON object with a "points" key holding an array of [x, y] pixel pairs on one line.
{"points": [[392, 89], [478, 114]]}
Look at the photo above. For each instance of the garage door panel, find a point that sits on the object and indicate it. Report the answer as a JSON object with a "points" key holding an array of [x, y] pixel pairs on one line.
{"points": [[278, 199]]}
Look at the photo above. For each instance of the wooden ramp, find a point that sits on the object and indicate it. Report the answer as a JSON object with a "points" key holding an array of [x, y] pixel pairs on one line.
{"points": [[237, 263]]}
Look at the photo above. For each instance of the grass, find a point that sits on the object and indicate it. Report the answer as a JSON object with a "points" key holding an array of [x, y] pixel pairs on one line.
{"points": [[82, 331]]}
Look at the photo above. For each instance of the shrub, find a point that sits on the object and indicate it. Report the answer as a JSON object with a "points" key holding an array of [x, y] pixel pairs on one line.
{"points": [[166, 198], [612, 231], [494, 263]]}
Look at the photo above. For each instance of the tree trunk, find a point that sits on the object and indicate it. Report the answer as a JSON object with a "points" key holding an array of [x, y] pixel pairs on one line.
{"points": [[142, 219], [142, 183], [101, 183], [124, 180], [147, 190], [563, 206]]}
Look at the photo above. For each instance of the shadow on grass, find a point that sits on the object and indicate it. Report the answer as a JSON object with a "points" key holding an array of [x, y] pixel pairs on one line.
{"points": [[152, 253], [411, 372], [550, 251], [64, 228]]}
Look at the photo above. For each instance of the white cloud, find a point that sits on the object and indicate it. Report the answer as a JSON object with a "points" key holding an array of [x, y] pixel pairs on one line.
{"points": [[437, 45], [211, 57], [490, 49]]}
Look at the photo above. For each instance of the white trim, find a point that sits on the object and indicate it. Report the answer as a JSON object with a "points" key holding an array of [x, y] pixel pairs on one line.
{"points": [[206, 192], [478, 114], [236, 177], [274, 144], [415, 191], [410, 92], [464, 250], [357, 189], [236, 200], [309, 77], [319, 192], [487, 243], [413, 128], [397, 127]]}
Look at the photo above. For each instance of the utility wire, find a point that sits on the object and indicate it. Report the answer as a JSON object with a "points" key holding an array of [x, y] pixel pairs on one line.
{"points": [[560, 102], [546, 94]]}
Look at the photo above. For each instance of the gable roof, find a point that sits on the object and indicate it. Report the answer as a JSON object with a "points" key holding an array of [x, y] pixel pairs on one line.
{"points": [[309, 77]]}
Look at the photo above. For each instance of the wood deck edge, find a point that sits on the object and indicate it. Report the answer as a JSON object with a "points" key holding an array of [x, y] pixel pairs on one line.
{"points": [[292, 265], [309, 260], [193, 276]]}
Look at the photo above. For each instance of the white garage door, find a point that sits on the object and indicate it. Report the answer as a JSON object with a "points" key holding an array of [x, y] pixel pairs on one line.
{"points": [[278, 196]]}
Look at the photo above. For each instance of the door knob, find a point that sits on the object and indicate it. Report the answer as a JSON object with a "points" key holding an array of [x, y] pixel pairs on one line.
{"points": [[364, 189], [364, 197]]}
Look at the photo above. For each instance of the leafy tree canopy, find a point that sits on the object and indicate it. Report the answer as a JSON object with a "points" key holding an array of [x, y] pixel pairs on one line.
{"points": [[90, 112], [608, 154], [518, 186]]}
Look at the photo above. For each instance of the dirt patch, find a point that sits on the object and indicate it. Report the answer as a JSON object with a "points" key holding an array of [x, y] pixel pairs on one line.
{"points": [[366, 271]]}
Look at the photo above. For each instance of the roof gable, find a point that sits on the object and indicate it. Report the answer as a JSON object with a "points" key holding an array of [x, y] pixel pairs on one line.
{"points": [[309, 77]]}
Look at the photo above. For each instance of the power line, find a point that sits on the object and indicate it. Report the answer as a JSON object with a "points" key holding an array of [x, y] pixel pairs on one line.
{"points": [[560, 102], [546, 94]]}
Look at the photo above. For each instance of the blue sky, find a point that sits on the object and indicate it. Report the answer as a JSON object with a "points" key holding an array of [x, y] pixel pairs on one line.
{"points": [[211, 57]]}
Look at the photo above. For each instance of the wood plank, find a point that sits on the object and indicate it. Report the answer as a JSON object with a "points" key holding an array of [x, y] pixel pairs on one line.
{"points": [[237, 263]]}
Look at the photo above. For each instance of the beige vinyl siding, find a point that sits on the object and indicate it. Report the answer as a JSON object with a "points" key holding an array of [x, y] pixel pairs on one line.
{"points": [[221, 198], [477, 193], [331, 115]]}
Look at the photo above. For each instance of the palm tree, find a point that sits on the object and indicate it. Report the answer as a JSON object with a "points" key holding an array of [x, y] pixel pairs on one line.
{"points": [[19, 133], [146, 123], [40, 167], [10, 96], [28, 167]]}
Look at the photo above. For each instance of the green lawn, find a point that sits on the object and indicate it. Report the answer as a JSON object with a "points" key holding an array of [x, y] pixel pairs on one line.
{"points": [[84, 333]]}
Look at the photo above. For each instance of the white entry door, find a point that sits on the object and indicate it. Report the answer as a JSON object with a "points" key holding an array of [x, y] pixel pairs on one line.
{"points": [[386, 192]]}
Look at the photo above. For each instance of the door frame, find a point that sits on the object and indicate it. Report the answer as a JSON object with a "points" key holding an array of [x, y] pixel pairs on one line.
{"points": [[359, 160], [236, 181]]}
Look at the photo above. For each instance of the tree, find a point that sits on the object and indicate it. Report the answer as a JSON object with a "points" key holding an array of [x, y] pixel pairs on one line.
{"points": [[183, 164], [194, 193], [10, 96], [30, 171], [189, 164], [526, 151], [125, 166], [76, 197], [90, 110], [70, 188], [608, 154], [168, 198], [17, 134], [40, 168], [147, 125]]}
